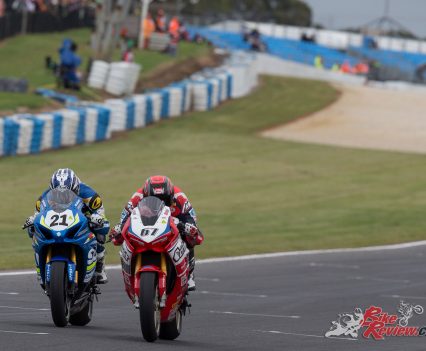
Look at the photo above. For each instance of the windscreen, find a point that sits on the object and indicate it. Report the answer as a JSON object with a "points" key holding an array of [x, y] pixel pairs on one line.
{"points": [[150, 209], [60, 200]]}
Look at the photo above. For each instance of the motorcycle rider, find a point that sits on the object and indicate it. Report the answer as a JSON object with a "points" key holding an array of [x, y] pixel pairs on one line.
{"points": [[63, 179], [162, 188]]}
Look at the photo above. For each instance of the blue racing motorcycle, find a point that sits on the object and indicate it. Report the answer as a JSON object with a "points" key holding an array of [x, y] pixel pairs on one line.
{"points": [[65, 255]]}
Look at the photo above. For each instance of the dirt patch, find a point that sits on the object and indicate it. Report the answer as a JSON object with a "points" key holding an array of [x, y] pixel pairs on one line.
{"points": [[364, 117], [178, 71]]}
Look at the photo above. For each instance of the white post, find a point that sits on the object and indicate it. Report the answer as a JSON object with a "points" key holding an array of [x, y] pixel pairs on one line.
{"points": [[145, 6]]}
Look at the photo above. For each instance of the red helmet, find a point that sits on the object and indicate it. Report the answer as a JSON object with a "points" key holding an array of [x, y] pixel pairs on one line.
{"points": [[161, 187]]}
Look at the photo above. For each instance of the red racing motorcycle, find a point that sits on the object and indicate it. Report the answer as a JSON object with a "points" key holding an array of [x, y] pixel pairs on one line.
{"points": [[155, 267]]}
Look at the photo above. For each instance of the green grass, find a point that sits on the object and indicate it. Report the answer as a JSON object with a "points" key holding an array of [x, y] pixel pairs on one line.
{"points": [[251, 194], [23, 57]]}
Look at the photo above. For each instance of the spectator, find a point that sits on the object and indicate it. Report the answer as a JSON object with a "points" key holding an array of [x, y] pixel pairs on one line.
{"points": [[318, 62], [148, 29], [373, 71], [128, 53], [335, 67], [361, 68], [174, 41], [174, 26], [2, 8], [346, 67], [256, 42], [183, 32], [420, 70], [160, 21]]}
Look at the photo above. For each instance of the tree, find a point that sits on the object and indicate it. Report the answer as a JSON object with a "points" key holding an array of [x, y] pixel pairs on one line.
{"points": [[293, 12], [110, 16]]}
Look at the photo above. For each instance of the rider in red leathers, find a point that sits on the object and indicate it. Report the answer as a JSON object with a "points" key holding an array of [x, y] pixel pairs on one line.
{"points": [[181, 208]]}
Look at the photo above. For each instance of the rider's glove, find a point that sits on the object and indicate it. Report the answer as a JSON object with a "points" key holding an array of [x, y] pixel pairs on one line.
{"points": [[189, 232], [115, 235], [29, 222], [191, 229], [97, 220]]}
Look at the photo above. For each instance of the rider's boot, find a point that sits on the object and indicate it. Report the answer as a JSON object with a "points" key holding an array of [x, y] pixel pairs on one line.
{"points": [[101, 277], [191, 280]]}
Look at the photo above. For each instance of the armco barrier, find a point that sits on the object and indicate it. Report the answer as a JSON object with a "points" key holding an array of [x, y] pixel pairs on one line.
{"points": [[89, 122]]}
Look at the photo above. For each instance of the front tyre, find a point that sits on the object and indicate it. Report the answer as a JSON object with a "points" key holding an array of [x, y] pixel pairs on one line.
{"points": [[149, 306], [84, 316], [171, 330], [59, 303]]}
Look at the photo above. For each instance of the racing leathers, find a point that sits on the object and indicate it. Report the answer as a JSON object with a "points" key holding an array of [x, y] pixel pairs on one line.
{"points": [[94, 210], [181, 209]]}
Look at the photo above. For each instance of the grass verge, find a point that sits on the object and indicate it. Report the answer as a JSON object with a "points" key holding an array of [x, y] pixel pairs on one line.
{"points": [[251, 194], [23, 57]]}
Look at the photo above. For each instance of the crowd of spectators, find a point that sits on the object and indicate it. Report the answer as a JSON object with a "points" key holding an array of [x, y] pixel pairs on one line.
{"points": [[175, 28], [32, 6]]}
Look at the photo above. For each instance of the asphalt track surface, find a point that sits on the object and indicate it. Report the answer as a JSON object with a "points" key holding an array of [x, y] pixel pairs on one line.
{"points": [[277, 303]]}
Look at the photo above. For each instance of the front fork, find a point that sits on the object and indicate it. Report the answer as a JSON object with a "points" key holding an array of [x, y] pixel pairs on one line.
{"points": [[162, 277], [72, 272]]}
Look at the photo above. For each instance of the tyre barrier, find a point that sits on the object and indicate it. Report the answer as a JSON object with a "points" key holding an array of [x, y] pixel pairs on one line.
{"points": [[85, 122], [117, 78]]}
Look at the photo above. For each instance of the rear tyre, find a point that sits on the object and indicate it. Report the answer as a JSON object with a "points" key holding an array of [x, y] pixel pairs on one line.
{"points": [[171, 330], [149, 306], [84, 316], [59, 302]]}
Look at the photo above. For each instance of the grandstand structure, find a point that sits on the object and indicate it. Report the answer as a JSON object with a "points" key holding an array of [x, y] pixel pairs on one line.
{"points": [[398, 58]]}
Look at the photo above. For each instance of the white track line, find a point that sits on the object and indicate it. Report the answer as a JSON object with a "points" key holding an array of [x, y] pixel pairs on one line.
{"points": [[333, 265], [269, 255], [216, 280], [229, 294], [8, 293], [300, 334], [385, 280], [254, 314], [26, 308], [22, 332], [405, 297]]}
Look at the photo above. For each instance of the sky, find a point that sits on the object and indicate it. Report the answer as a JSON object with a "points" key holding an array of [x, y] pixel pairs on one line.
{"points": [[339, 14]]}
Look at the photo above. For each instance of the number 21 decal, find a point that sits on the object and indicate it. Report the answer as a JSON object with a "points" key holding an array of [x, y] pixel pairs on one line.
{"points": [[55, 219]]}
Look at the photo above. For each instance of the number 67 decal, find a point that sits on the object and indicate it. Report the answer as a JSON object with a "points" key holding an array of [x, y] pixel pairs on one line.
{"points": [[146, 232]]}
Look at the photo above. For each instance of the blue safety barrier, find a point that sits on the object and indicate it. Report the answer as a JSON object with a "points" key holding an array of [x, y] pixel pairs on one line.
{"points": [[79, 123]]}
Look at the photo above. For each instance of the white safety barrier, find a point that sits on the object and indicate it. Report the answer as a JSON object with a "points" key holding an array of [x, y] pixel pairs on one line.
{"points": [[122, 78], [118, 109], [331, 38], [47, 141], [89, 122], [157, 103], [141, 102], [159, 41], [69, 127], [98, 74]]}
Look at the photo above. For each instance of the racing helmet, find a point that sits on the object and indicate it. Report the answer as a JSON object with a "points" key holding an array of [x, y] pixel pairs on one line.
{"points": [[65, 178], [160, 187]]}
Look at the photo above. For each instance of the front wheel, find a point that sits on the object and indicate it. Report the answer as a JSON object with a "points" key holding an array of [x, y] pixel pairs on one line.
{"points": [[59, 302], [171, 330], [149, 306]]}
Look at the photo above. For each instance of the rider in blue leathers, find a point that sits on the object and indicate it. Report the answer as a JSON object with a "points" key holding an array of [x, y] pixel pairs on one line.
{"points": [[94, 210]]}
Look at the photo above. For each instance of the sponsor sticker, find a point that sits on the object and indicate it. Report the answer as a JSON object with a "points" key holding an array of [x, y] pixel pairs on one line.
{"points": [[377, 324]]}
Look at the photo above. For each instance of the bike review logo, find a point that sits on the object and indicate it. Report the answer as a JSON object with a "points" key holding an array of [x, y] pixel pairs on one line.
{"points": [[377, 324]]}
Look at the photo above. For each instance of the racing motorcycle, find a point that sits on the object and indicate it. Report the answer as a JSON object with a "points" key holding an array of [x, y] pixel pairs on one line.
{"points": [[65, 256], [155, 269]]}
